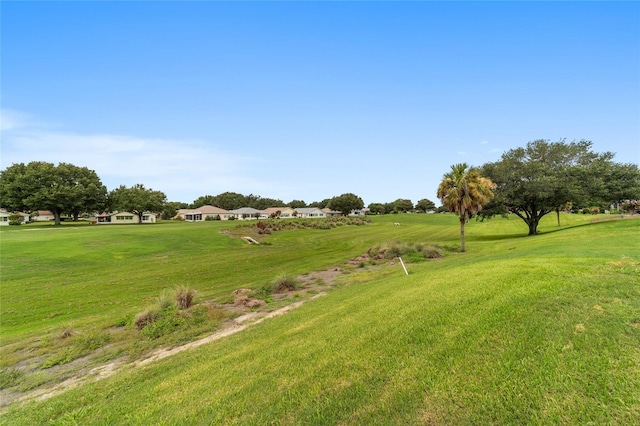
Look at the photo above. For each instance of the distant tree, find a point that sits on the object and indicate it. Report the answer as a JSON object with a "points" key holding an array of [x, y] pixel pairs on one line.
{"points": [[402, 205], [43, 186], [345, 203], [320, 204], [89, 195], [464, 191], [229, 201], [170, 209], [389, 208], [137, 200], [377, 208], [425, 205], [205, 200], [264, 203], [544, 176], [297, 204]]}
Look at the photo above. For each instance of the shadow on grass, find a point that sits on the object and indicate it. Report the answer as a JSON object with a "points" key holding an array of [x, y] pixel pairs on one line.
{"points": [[495, 237]]}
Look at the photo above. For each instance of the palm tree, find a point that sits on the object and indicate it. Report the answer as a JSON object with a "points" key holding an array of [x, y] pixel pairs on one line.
{"points": [[464, 192]]}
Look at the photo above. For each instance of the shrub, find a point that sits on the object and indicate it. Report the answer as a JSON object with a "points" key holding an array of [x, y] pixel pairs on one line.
{"points": [[393, 249], [164, 301], [16, 219], [264, 292], [184, 296], [432, 252], [145, 318], [284, 283], [67, 332]]}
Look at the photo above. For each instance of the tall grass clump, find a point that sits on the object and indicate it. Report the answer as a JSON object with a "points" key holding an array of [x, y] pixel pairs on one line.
{"points": [[393, 249], [284, 283], [184, 296]]}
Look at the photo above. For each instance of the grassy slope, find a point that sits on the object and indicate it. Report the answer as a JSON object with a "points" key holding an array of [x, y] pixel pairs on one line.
{"points": [[95, 275], [518, 330]]}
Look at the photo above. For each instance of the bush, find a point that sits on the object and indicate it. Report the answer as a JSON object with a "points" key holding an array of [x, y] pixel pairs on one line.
{"points": [[164, 301], [284, 283], [145, 318], [393, 249], [184, 297], [67, 332], [16, 219]]}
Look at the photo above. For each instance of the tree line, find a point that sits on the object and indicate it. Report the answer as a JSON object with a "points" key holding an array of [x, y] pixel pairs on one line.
{"points": [[529, 182], [66, 189]]}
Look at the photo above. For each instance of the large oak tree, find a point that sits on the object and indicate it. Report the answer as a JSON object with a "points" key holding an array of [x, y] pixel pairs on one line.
{"points": [[137, 200], [544, 176], [64, 188], [346, 203]]}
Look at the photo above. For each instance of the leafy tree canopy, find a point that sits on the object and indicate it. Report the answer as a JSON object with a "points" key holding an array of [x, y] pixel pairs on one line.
{"points": [[137, 199], [170, 209], [377, 208], [402, 205], [320, 204], [233, 201], [296, 204], [345, 203], [64, 188], [425, 205], [465, 191], [544, 176]]}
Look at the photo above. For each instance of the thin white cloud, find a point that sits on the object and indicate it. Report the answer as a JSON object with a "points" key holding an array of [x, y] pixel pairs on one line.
{"points": [[183, 169], [462, 153], [484, 142], [11, 120]]}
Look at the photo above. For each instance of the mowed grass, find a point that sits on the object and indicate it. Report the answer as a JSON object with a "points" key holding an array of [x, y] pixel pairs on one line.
{"points": [[518, 330]]}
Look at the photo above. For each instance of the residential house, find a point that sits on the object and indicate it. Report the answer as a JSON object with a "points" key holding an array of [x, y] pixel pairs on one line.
{"points": [[328, 212], [201, 213], [310, 212], [4, 218], [125, 217], [359, 212], [26, 217], [43, 216], [282, 212], [248, 213]]}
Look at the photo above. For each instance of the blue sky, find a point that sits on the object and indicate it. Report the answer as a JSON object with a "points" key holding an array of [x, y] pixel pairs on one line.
{"points": [[308, 100]]}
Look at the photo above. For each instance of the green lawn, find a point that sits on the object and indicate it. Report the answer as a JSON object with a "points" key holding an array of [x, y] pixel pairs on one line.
{"points": [[518, 330]]}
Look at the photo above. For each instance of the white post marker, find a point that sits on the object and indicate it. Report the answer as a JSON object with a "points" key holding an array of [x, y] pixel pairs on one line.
{"points": [[403, 267]]}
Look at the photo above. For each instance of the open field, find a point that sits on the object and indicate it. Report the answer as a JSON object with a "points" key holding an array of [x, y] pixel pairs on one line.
{"points": [[541, 330]]}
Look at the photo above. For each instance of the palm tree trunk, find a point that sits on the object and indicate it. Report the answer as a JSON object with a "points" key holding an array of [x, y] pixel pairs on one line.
{"points": [[462, 221]]}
